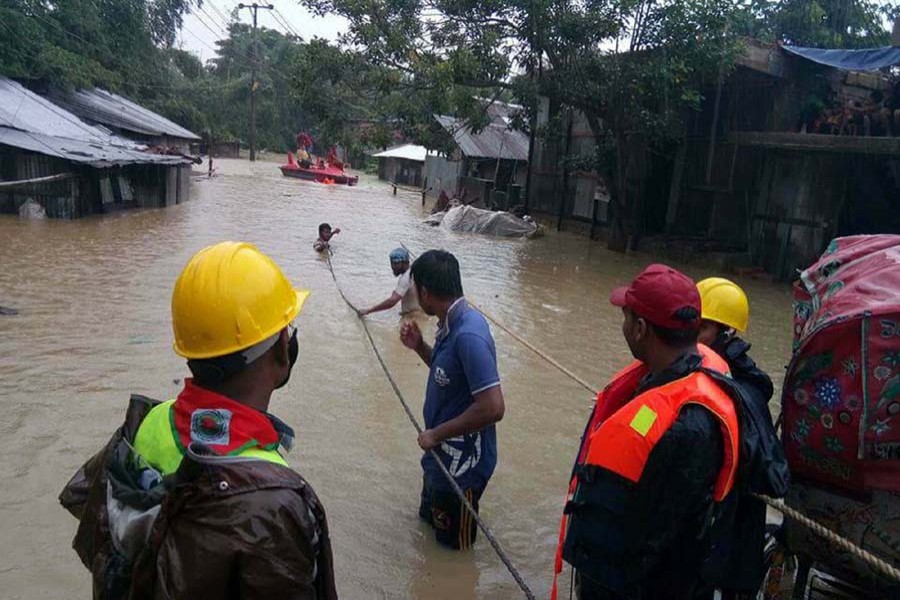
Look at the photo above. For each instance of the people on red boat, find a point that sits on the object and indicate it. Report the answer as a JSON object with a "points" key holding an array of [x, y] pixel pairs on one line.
{"points": [[332, 159], [304, 143], [303, 140], [303, 158]]}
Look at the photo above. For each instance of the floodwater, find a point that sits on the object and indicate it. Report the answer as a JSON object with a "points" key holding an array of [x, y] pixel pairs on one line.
{"points": [[94, 327]]}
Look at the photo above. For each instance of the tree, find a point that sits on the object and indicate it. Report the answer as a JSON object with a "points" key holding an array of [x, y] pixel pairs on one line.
{"points": [[352, 102], [823, 23], [634, 67], [126, 46], [278, 116], [116, 44]]}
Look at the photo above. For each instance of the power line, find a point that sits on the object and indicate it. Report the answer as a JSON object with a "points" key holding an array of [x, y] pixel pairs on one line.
{"points": [[218, 34], [213, 19], [225, 19], [280, 22], [103, 51], [254, 9], [146, 74], [199, 39], [241, 53], [34, 57], [286, 23]]}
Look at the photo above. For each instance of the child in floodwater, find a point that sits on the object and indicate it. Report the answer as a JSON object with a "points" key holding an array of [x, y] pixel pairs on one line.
{"points": [[325, 234]]}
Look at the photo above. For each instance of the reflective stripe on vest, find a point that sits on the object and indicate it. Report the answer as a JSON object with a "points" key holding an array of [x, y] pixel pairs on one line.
{"points": [[157, 442], [622, 431]]}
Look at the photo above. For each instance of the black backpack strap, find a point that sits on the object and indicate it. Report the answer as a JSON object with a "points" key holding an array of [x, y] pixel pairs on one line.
{"points": [[763, 467], [738, 397]]}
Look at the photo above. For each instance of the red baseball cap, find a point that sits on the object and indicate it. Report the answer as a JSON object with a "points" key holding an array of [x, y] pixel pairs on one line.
{"points": [[660, 294]]}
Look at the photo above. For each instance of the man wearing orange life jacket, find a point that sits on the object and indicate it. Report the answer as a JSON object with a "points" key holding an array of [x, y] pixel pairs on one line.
{"points": [[659, 454]]}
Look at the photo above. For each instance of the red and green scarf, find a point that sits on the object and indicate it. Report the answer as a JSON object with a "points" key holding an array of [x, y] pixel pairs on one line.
{"points": [[226, 427]]}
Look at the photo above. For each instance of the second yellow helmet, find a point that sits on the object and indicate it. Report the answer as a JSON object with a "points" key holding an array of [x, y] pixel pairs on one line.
{"points": [[229, 297], [723, 301]]}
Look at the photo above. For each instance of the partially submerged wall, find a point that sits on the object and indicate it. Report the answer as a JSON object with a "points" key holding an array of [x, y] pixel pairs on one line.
{"points": [[442, 175], [82, 190]]}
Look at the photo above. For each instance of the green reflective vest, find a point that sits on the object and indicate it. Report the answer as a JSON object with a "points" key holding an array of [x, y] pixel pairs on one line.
{"points": [[158, 443]]}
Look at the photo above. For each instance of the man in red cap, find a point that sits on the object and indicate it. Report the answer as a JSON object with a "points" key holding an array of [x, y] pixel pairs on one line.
{"points": [[658, 457]]}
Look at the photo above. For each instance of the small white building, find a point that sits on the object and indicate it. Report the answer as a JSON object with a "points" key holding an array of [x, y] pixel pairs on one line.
{"points": [[402, 164]]}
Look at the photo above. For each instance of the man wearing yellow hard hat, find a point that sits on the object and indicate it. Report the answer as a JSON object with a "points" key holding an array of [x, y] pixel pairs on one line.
{"points": [[725, 313], [193, 497]]}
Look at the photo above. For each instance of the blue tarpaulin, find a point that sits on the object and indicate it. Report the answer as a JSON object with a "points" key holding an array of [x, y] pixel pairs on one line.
{"points": [[871, 59]]}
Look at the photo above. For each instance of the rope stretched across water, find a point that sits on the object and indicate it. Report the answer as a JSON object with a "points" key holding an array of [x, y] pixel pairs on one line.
{"points": [[592, 389], [838, 540], [488, 534]]}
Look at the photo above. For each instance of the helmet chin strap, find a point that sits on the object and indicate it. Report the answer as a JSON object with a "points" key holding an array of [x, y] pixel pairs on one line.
{"points": [[213, 371]]}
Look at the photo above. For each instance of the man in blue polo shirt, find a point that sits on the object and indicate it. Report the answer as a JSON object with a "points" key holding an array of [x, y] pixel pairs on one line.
{"points": [[463, 399]]}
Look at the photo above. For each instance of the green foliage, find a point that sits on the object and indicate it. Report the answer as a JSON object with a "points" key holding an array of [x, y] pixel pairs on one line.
{"points": [[125, 46], [82, 43], [822, 23], [633, 67], [450, 53], [636, 68], [279, 117]]}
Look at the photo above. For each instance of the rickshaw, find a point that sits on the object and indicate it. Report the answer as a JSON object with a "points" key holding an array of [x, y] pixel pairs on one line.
{"points": [[840, 418]]}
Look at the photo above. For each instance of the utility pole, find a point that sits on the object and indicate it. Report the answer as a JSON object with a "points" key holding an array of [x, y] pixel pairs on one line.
{"points": [[254, 61]]}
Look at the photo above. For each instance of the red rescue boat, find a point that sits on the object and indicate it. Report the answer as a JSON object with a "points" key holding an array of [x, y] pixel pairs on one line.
{"points": [[321, 173]]}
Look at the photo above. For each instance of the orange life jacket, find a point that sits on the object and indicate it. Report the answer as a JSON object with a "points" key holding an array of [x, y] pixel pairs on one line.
{"points": [[622, 431]]}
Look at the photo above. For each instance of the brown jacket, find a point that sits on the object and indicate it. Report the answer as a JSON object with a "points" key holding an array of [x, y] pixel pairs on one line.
{"points": [[220, 527]]}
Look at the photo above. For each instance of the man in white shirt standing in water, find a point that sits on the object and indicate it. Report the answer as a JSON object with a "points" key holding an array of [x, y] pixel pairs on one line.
{"points": [[404, 293]]}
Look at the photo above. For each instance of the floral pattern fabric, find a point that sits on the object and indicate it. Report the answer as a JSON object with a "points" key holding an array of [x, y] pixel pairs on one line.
{"points": [[841, 403]]}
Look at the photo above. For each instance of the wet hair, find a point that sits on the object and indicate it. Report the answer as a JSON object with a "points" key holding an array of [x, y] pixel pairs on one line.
{"points": [[679, 338], [211, 372], [675, 338], [323, 227], [438, 272]]}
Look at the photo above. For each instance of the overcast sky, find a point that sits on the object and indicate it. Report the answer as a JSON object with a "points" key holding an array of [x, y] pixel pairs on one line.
{"points": [[206, 25]]}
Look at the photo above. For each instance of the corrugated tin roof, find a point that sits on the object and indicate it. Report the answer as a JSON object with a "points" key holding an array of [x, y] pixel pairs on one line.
{"points": [[501, 112], [115, 111], [494, 141], [406, 151], [31, 122]]}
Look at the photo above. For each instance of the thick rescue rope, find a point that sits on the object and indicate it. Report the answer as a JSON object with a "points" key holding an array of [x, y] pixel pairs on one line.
{"points": [[880, 565], [488, 534], [873, 561], [529, 345]]}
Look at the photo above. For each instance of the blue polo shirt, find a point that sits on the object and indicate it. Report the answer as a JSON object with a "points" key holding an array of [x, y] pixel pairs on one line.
{"points": [[463, 363]]}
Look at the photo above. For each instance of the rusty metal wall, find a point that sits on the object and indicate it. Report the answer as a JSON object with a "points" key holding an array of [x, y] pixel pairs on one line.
{"points": [[60, 199], [442, 175], [183, 193], [91, 190]]}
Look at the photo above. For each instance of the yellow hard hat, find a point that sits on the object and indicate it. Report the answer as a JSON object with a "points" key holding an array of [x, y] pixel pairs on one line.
{"points": [[229, 297], [723, 301]]}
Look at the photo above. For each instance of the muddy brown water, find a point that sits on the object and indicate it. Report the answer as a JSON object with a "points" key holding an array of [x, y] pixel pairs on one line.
{"points": [[94, 327]]}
